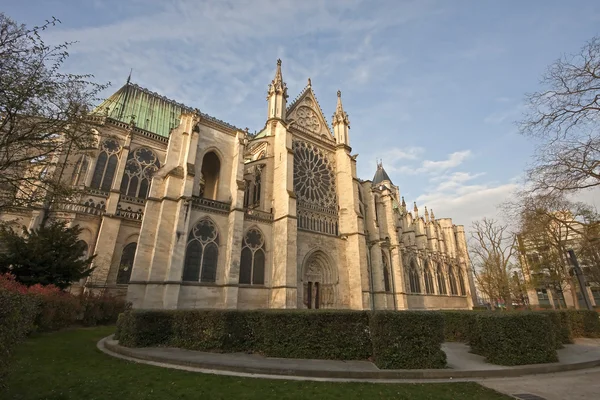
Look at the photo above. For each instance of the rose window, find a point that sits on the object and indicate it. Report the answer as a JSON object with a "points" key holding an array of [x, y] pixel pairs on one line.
{"points": [[314, 181]]}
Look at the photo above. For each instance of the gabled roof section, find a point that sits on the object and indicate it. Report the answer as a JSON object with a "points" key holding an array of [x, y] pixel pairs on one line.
{"points": [[149, 110], [309, 93]]}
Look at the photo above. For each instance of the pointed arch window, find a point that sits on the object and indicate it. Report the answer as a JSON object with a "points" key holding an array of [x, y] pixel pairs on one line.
{"points": [[211, 168], [413, 278], [428, 280], [452, 279], [386, 272], [202, 253], [441, 281], [126, 264], [461, 283], [106, 165], [252, 263], [80, 171], [141, 165]]}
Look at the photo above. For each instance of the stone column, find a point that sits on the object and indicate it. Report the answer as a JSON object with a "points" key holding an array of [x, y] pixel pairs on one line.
{"points": [[235, 226], [284, 280]]}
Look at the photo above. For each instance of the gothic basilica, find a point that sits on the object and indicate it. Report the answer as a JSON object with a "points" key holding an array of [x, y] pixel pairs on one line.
{"points": [[186, 211]]}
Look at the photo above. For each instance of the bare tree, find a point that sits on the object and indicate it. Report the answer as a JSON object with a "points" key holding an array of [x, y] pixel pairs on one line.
{"points": [[565, 116], [44, 114], [493, 250]]}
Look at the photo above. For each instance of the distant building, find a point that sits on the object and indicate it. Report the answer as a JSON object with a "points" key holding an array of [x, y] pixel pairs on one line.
{"points": [[186, 211], [542, 263]]}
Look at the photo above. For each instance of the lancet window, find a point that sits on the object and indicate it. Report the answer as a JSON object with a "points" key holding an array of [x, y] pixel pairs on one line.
{"points": [[441, 281], [386, 272], [461, 283], [252, 263], [126, 264], [202, 252], [428, 280], [413, 278], [141, 165], [80, 171], [106, 165], [452, 279]]}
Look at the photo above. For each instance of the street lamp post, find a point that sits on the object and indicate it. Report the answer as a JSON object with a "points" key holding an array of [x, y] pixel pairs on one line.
{"points": [[580, 278]]}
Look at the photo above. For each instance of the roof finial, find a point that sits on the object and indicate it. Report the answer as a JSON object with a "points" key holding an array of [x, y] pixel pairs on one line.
{"points": [[340, 116], [432, 216], [278, 85], [129, 77], [309, 82], [426, 215], [416, 210]]}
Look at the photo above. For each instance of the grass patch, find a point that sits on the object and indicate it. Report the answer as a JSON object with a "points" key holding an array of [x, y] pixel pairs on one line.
{"points": [[67, 365]]}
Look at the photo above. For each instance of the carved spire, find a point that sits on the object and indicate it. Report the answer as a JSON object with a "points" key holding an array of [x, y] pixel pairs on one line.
{"points": [[426, 215], [416, 210], [432, 216], [278, 86], [403, 205], [340, 116]]}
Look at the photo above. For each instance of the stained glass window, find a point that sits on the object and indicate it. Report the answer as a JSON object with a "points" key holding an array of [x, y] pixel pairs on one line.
{"points": [[452, 279], [386, 272], [428, 280], [314, 181], [441, 281], [106, 164], [461, 283], [413, 277], [141, 165], [202, 253], [252, 262]]}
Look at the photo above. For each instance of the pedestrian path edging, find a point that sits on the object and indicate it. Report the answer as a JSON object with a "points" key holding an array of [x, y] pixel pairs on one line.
{"points": [[109, 346]]}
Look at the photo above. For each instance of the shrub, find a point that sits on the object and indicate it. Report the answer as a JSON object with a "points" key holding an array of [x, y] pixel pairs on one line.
{"points": [[516, 338], [146, 328], [395, 339], [17, 316], [56, 311], [407, 339], [337, 335], [458, 325], [99, 310], [560, 327], [583, 323]]}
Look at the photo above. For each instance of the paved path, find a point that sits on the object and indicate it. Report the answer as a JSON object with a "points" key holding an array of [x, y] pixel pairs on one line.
{"points": [[573, 385]]}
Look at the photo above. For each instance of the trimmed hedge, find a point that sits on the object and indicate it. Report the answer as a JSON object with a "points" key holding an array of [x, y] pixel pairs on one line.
{"points": [[17, 320], [560, 327], [458, 325], [516, 338], [393, 339], [407, 339], [583, 323]]}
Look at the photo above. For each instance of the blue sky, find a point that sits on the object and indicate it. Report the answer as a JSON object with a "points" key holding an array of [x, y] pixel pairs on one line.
{"points": [[432, 87]]}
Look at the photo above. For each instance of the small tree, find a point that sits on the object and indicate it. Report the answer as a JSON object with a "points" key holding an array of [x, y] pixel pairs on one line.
{"points": [[492, 250], [49, 255], [44, 115]]}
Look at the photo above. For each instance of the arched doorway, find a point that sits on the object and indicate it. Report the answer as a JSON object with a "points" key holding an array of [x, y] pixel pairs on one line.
{"points": [[319, 282]]}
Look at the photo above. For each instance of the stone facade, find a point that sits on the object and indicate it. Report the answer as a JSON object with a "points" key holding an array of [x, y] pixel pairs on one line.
{"points": [[186, 211]]}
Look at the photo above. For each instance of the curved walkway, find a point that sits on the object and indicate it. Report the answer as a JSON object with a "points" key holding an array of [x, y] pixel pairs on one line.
{"points": [[463, 366]]}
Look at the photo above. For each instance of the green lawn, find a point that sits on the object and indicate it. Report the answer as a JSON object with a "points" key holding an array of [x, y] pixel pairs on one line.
{"points": [[67, 365]]}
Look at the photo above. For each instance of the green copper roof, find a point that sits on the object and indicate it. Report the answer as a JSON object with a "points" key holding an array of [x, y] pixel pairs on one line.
{"points": [[150, 111]]}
